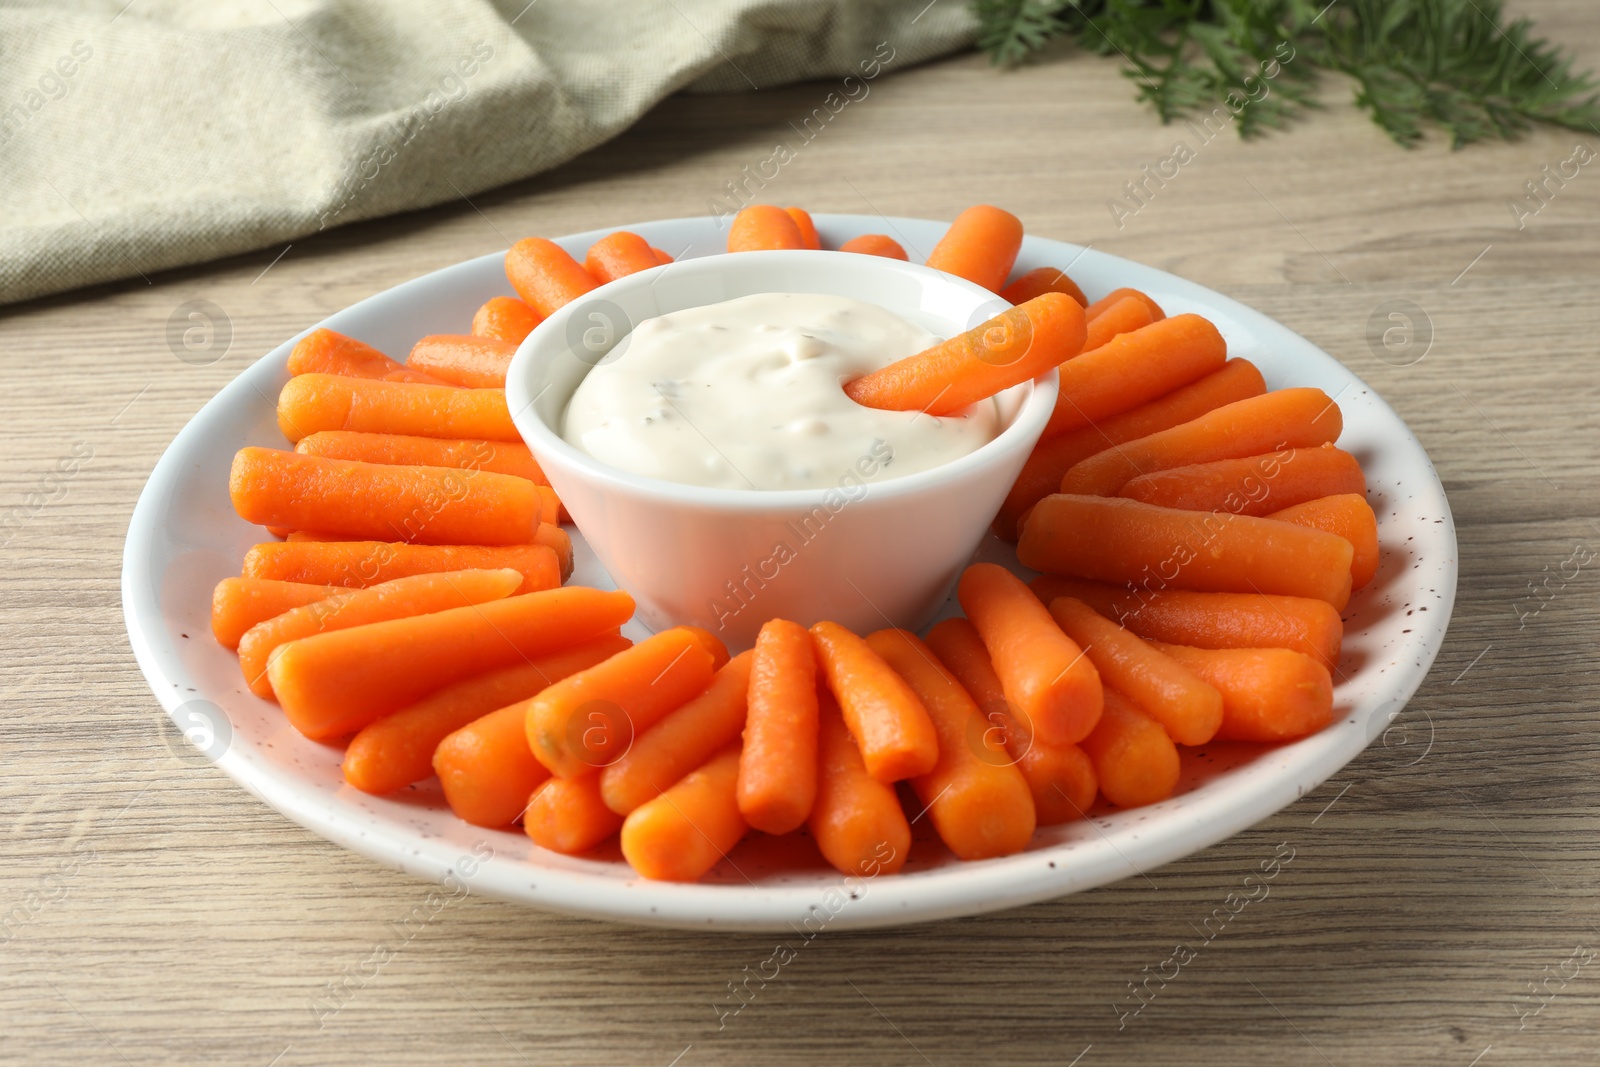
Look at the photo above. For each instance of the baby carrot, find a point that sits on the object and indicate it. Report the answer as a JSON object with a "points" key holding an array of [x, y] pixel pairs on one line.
{"points": [[1348, 515], [686, 831], [663, 257], [237, 604], [981, 245], [398, 750], [545, 276], [1039, 281], [1252, 485], [1110, 539], [980, 806], [420, 594], [587, 721], [1210, 620], [505, 318], [712, 644], [358, 564], [1284, 418], [778, 765], [1125, 316], [463, 359], [498, 457], [1052, 458], [323, 351], [1186, 707], [1133, 757], [1135, 368], [566, 815], [760, 227], [428, 505], [335, 683], [312, 402], [1099, 307], [896, 737], [1042, 670], [682, 741], [808, 231], [857, 820], [1060, 777], [487, 770], [1268, 694], [875, 244], [1009, 349], [618, 255]]}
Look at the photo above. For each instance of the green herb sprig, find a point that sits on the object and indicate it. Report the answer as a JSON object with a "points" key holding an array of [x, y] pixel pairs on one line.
{"points": [[1457, 65]]}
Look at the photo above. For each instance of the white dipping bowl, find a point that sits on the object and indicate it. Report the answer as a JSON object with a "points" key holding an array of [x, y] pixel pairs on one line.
{"points": [[868, 553]]}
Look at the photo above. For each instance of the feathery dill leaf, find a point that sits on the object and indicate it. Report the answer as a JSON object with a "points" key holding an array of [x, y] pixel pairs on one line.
{"points": [[1457, 65]]}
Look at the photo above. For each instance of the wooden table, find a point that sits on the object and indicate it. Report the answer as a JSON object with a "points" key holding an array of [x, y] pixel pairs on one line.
{"points": [[1442, 891]]}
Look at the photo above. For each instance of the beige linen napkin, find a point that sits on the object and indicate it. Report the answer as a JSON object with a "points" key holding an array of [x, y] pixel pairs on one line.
{"points": [[136, 136]]}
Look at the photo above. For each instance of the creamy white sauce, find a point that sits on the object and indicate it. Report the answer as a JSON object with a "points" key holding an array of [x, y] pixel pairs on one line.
{"points": [[747, 394]]}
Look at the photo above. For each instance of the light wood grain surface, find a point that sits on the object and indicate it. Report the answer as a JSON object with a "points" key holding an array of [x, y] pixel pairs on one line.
{"points": [[1442, 892]]}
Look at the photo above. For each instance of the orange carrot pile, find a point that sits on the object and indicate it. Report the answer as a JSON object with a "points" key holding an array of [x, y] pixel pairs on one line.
{"points": [[686, 831], [778, 764], [1125, 316], [1009, 349], [686, 738], [588, 720], [1043, 672], [980, 806], [875, 244], [463, 359], [1253, 485], [1286, 418], [237, 604], [1134, 368], [358, 564], [1189, 709], [323, 351], [1040, 281], [333, 684], [856, 820], [498, 457], [887, 720], [1111, 539], [1060, 777], [505, 318], [980, 246], [1052, 458], [425, 505], [1348, 515], [397, 750], [545, 276], [1116, 296], [761, 228], [1198, 537], [807, 228], [1209, 620], [312, 402], [619, 255], [401, 598]]}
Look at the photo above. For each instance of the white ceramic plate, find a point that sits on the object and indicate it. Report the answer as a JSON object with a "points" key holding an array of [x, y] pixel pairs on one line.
{"points": [[184, 537]]}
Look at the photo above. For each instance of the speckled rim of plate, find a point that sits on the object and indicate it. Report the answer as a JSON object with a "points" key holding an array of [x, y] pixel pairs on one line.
{"points": [[184, 536]]}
